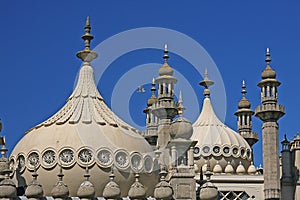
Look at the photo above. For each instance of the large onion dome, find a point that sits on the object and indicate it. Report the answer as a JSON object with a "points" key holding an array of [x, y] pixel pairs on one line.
{"points": [[84, 133], [215, 140]]}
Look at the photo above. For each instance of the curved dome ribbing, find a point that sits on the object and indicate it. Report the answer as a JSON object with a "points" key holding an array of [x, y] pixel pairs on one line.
{"points": [[84, 132], [217, 141]]}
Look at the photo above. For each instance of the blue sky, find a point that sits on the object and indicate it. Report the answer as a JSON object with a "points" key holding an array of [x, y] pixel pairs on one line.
{"points": [[39, 40]]}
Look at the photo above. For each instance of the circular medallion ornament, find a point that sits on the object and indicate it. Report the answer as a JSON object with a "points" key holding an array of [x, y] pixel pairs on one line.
{"points": [[49, 158], [136, 162], [66, 157], [85, 156], [33, 160], [148, 164], [12, 165], [226, 151], [235, 152], [121, 159], [21, 163], [104, 157]]}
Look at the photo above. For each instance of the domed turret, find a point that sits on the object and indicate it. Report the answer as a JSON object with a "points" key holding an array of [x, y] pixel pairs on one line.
{"points": [[163, 190], [268, 71], [86, 190], [165, 69], [215, 139], [137, 190], [60, 189], [84, 133], [181, 127], [112, 189], [34, 189], [208, 191], [8, 188]]}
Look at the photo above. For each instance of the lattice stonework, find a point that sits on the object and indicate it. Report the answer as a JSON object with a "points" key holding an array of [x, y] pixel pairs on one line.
{"points": [[233, 195]]}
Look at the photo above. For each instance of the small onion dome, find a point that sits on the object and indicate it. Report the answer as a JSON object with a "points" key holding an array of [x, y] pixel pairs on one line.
{"points": [[181, 128], [137, 190], [60, 190], [163, 190], [268, 73], [112, 189], [251, 169], [229, 168], [244, 103], [152, 100], [217, 168], [165, 70], [7, 187], [240, 169], [34, 189], [208, 192], [86, 190]]}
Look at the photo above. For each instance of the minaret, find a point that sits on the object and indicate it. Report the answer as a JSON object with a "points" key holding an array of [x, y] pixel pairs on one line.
{"points": [[287, 189], [244, 118], [165, 108], [151, 119], [270, 112]]}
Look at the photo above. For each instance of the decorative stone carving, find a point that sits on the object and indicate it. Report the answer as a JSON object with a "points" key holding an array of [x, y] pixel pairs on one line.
{"points": [[136, 162], [33, 160], [121, 159], [104, 157], [85, 156], [49, 157], [66, 157]]}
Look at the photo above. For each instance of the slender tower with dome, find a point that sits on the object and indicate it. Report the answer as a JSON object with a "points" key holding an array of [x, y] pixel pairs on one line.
{"points": [[244, 115], [270, 112]]}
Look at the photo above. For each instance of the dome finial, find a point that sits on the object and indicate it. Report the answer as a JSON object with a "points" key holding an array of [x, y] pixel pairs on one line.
{"points": [[206, 83], [166, 53], [244, 91], [180, 108], [87, 55], [268, 57], [87, 174]]}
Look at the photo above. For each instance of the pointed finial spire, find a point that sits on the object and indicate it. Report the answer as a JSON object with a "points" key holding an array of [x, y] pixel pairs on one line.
{"points": [[244, 91], [268, 57], [87, 174], [180, 108], [166, 55], [206, 83], [153, 89], [87, 55], [60, 174]]}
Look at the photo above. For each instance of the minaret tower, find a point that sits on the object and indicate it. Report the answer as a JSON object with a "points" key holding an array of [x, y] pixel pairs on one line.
{"points": [[151, 119], [244, 119], [270, 112], [287, 182], [165, 108]]}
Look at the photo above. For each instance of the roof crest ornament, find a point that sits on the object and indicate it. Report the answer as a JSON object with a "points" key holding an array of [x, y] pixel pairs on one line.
{"points": [[206, 83], [87, 55], [166, 53]]}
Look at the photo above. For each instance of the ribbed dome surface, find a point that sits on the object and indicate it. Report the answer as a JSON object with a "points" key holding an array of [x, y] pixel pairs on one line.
{"points": [[84, 132], [217, 140]]}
